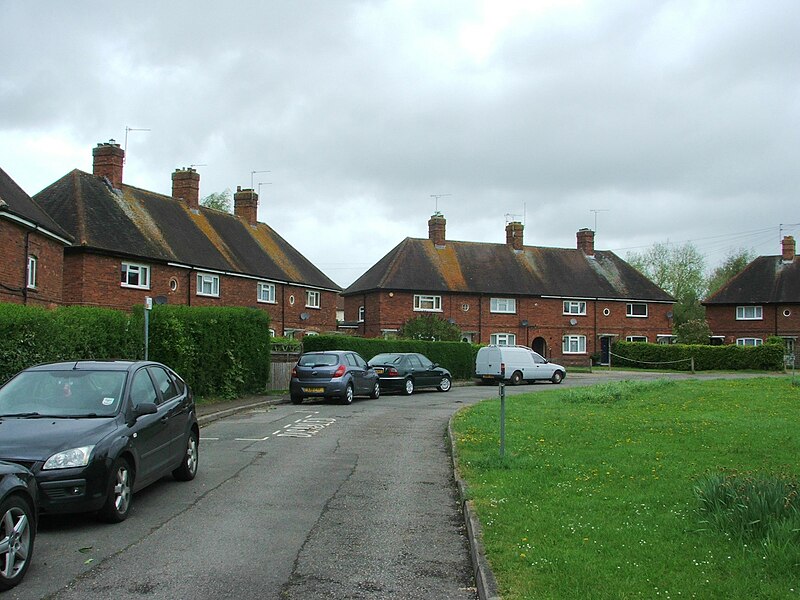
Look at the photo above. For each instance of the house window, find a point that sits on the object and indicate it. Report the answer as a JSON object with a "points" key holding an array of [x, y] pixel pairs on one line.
{"points": [[135, 276], [665, 338], [427, 303], [749, 341], [636, 309], [749, 313], [32, 264], [207, 284], [361, 312], [312, 299], [636, 338], [503, 305], [573, 344], [574, 307], [503, 339], [266, 292]]}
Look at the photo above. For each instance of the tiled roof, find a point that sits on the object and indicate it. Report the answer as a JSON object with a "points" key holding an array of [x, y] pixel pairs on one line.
{"points": [[138, 223], [471, 267], [766, 280], [15, 201]]}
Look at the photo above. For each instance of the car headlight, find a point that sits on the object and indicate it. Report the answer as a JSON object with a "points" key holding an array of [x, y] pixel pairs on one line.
{"points": [[75, 457]]}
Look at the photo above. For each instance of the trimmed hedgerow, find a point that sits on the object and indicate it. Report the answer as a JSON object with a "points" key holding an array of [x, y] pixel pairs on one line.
{"points": [[767, 357], [457, 357]]}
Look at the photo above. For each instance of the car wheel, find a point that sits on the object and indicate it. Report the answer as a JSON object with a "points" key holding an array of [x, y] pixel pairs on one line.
{"points": [[376, 391], [557, 377], [347, 398], [516, 378], [408, 387], [188, 468], [120, 493], [17, 534], [297, 399], [444, 384]]}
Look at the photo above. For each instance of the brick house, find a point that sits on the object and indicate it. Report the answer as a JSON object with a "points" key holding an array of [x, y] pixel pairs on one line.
{"points": [[761, 301], [32, 247], [131, 243], [567, 304]]}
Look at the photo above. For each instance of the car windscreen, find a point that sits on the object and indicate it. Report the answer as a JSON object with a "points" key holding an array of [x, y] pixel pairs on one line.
{"points": [[318, 360], [63, 394], [386, 359]]}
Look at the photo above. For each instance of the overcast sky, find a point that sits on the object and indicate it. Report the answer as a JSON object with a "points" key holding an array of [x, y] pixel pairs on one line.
{"points": [[650, 120]]}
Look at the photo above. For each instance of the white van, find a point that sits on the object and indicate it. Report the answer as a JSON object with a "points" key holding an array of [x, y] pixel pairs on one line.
{"points": [[515, 364]]}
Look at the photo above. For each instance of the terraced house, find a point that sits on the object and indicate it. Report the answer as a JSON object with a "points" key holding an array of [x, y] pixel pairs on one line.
{"points": [[31, 269], [567, 304], [130, 243]]}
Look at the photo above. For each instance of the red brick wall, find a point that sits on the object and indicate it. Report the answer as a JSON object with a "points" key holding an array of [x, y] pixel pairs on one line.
{"points": [[389, 310], [14, 265], [94, 280], [722, 321]]}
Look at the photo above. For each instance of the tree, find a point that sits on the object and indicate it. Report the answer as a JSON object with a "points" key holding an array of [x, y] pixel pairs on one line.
{"points": [[735, 262], [695, 331], [218, 200], [678, 270], [430, 327]]}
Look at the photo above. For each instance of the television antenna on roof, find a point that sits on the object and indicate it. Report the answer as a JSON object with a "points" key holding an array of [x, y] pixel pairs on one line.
{"points": [[436, 197], [595, 211], [125, 147]]}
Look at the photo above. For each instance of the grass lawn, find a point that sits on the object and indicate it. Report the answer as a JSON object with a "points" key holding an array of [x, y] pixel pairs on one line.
{"points": [[600, 492]]}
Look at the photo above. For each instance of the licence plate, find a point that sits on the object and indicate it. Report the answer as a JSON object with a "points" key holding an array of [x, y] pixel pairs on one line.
{"points": [[488, 376], [314, 390], [379, 370]]}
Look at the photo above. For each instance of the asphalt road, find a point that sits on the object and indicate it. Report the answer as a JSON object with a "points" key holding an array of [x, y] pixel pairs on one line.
{"points": [[290, 502]]}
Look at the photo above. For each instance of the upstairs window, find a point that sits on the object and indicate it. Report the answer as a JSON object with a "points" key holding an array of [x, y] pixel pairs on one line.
{"points": [[32, 265], [266, 292], [135, 276], [427, 303], [207, 284], [503, 305], [574, 307], [749, 313], [636, 309], [312, 299]]}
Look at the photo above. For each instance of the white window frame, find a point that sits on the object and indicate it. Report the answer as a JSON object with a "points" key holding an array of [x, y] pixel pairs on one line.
{"points": [[503, 305], [503, 339], [574, 307], [749, 342], [579, 344], [636, 338], [33, 264], [427, 303], [629, 310], [757, 313], [362, 311], [143, 272], [212, 280], [313, 298], [266, 292]]}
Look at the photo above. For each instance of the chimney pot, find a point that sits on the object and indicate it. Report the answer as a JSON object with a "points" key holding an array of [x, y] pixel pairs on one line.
{"points": [[107, 161], [514, 238], [436, 229], [186, 187], [245, 205], [586, 241], [788, 247]]}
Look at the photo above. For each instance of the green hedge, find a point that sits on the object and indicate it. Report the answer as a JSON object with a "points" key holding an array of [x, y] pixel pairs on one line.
{"points": [[219, 351], [457, 357], [767, 357]]}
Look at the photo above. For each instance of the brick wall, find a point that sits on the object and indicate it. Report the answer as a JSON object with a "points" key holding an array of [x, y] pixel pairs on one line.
{"points": [[780, 320], [14, 265]]}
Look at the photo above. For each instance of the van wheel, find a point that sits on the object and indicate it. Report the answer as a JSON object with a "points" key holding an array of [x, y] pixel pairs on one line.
{"points": [[516, 378], [557, 377]]}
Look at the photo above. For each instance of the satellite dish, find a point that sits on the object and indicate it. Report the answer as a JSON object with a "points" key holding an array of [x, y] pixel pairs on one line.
{"points": [[573, 322], [160, 300], [669, 315], [524, 322], [305, 316]]}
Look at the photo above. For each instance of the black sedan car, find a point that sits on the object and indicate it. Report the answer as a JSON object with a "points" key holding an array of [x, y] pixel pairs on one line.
{"points": [[93, 433], [18, 520], [407, 371], [333, 374]]}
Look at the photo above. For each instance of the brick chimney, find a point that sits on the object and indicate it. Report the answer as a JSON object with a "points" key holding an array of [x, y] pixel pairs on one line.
{"points": [[788, 247], [514, 235], [245, 205], [586, 241], [186, 187], [436, 229], [108, 159]]}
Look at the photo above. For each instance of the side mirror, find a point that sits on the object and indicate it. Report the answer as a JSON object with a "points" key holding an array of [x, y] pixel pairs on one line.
{"points": [[145, 408]]}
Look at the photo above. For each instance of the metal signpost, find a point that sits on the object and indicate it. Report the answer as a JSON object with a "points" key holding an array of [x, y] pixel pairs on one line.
{"points": [[502, 392], [148, 306]]}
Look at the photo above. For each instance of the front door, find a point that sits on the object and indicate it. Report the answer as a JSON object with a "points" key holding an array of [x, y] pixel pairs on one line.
{"points": [[540, 345], [605, 350]]}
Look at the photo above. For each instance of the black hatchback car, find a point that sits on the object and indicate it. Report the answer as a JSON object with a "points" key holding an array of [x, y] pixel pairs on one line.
{"points": [[93, 433], [18, 520], [407, 371], [333, 374]]}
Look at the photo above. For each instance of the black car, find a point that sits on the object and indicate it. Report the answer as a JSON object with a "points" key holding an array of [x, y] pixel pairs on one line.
{"points": [[18, 520], [93, 433], [333, 374], [407, 371]]}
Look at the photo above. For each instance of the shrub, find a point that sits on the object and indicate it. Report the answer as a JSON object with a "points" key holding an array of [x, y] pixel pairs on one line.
{"points": [[768, 357]]}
